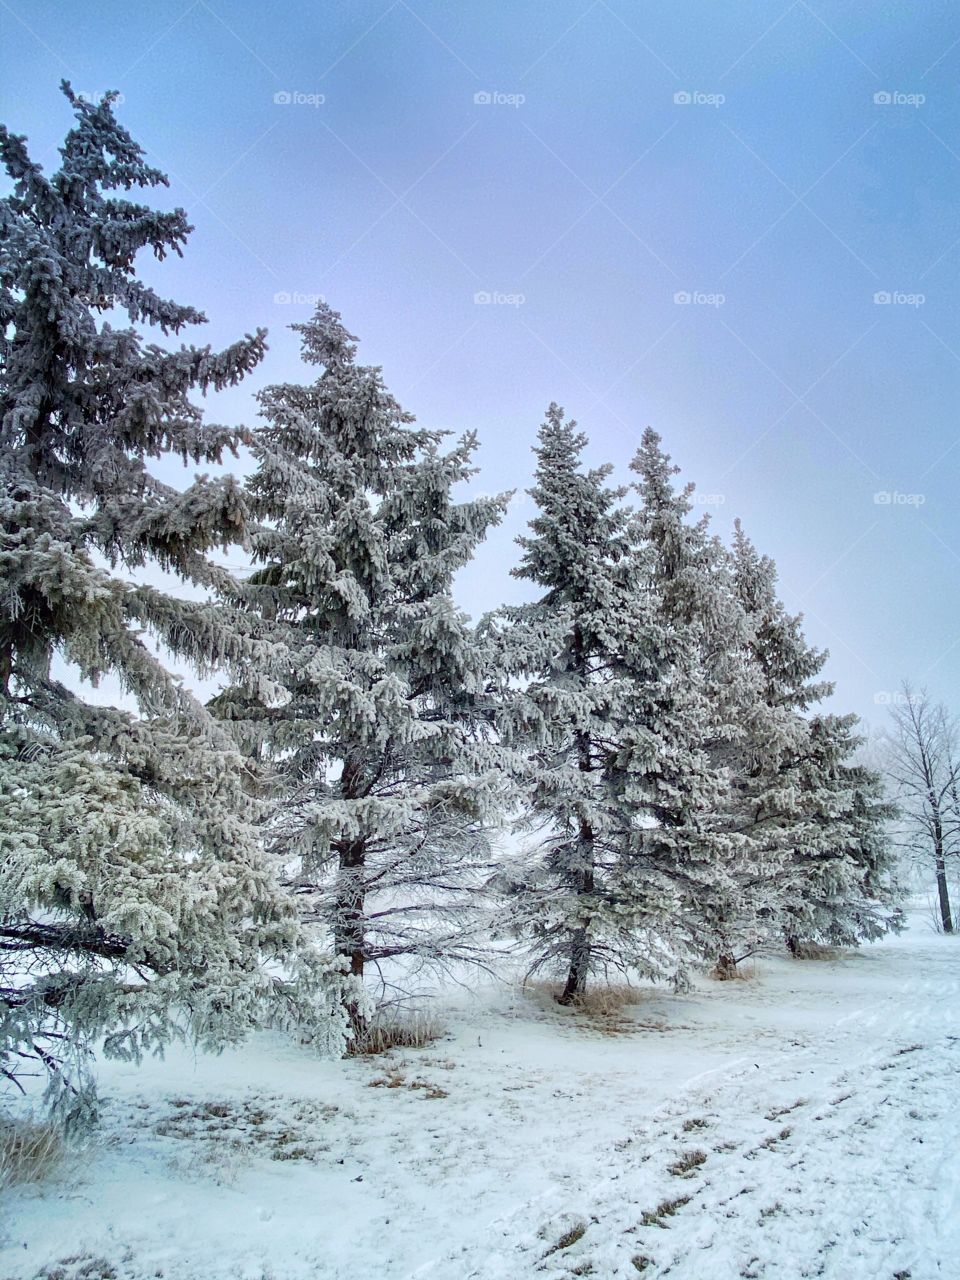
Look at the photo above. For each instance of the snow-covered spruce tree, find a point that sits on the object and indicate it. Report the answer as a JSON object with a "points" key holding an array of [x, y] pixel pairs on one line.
{"points": [[381, 783], [134, 902], [840, 885], [820, 815], [726, 886], [589, 701]]}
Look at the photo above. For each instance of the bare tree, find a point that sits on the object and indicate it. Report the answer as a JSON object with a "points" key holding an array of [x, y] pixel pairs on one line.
{"points": [[923, 764]]}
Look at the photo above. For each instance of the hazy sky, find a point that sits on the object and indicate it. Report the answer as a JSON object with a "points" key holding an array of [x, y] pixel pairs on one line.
{"points": [[780, 165]]}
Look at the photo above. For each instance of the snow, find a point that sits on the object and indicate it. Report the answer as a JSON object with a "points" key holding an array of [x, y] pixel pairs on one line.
{"points": [[824, 1095]]}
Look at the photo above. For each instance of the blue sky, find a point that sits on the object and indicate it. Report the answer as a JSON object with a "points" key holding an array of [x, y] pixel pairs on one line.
{"points": [[781, 166]]}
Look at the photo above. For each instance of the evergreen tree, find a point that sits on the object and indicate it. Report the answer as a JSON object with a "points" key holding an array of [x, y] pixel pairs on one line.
{"points": [[840, 886], [725, 884], [819, 815], [787, 664], [134, 901], [589, 695], [381, 781]]}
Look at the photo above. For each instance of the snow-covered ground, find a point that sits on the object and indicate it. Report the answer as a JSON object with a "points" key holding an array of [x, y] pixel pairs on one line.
{"points": [[804, 1123]]}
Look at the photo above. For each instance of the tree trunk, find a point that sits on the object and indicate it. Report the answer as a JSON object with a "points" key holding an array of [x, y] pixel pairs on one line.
{"points": [[349, 921], [6, 668], [576, 983], [946, 917], [348, 909], [939, 857], [348, 929], [726, 967], [793, 945]]}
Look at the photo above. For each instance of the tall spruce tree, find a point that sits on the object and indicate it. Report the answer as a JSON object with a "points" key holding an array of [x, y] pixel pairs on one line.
{"points": [[592, 700], [134, 900], [725, 886], [840, 884], [381, 782], [819, 814]]}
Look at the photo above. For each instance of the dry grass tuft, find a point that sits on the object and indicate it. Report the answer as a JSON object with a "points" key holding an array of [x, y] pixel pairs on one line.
{"points": [[430, 1090], [412, 1032], [607, 1001], [774, 1138], [80, 1267], [776, 1112], [814, 951], [395, 1079], [568, 1239], [685, 1164], [665, 1209], [695, 1122], [601, 1003], [745, 971], [29, 1150]]}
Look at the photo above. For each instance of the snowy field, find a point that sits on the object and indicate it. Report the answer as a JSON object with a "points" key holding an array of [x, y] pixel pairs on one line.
{"points": [[803, 1123]]}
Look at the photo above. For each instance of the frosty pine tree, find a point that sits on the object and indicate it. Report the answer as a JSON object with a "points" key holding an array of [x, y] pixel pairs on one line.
{"points": [[583, 703], [381, 783], [819, 816], [134, 901], [706, 707]]}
